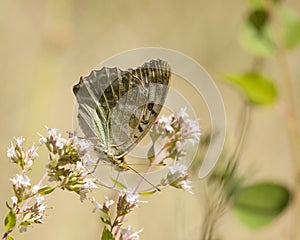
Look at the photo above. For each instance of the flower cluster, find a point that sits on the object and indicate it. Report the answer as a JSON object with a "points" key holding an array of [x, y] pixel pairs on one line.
{"points": [[31, 214], [126, 202], [33, 209], [178, 177], [66, 167], [22, 187], [68, 160], [21, 157], [24, 159], [127, 234], [174, 134], [70, 168]]}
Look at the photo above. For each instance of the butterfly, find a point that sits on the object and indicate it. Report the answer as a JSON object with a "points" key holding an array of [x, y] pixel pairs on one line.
{"points": [[116, 108]]}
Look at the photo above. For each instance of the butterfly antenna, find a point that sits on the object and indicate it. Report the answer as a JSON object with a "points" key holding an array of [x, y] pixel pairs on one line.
{"points": [[143, 178]]}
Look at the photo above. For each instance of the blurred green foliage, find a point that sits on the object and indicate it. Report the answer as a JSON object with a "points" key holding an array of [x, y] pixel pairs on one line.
{"points": [[258, 204], [257, 89], [261, 31]]}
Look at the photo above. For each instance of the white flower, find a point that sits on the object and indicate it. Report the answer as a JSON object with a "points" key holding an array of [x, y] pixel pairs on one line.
{"points": [[14, 200], [30, 155], [96, 205], [186, 185], [79, 166], [11, 153], [169, 128], [60, 142], [108, 202], [189, 126], [178, 168], [39, 199], [182, 114], [190, 131], [21, 180], [19, 140], [32, 152], [42, 208], [166, 123], [42, 139], [83, 171], [35, 189], [178, 177], [132, 198], [163, 120], [89, 183], [53, 132], [126, 234]]}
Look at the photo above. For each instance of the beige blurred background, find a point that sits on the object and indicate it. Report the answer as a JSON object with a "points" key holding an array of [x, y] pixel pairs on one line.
{"points": [[45, 46]]}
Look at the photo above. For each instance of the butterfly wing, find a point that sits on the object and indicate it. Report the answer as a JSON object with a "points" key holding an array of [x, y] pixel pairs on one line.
{"points": [[138, 109], [119, 107]]}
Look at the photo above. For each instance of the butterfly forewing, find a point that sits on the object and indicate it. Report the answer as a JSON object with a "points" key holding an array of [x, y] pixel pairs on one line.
{"points": [[118, 107]]}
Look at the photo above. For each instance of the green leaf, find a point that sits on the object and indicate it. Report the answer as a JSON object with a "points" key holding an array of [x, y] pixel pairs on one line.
{"points": [[10, 220], [257, 205], [107, 235], [46, 190], [9, 238], [255, 35], [291, 27], [257, 88]]}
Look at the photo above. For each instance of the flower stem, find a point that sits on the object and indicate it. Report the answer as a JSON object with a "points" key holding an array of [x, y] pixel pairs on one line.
{"points": [[290, 117], [289, 110], [293, 134], [244, 130]]}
